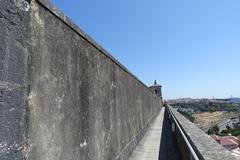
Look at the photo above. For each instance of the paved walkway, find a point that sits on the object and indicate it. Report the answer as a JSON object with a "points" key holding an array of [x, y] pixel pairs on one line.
{"points": [[159, 141], [148, 147], [168, 145]]}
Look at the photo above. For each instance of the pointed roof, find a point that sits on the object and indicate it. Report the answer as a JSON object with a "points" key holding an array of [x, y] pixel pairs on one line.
{"points": [[156, 84]]}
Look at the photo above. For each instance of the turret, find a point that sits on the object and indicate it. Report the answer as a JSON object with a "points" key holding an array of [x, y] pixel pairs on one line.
{"points": [[157, 89]]}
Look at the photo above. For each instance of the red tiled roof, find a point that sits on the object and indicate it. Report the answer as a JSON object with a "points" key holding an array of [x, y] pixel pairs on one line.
{"points": [[226, 141], [235, 139]]}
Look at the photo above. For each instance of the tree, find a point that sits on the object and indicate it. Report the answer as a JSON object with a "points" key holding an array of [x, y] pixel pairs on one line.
{"points": [[209, 131], [215, 129]]}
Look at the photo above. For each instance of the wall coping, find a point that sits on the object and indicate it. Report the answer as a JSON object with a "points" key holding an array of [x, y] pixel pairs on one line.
{"points": [[56, 12], [205, 147]]}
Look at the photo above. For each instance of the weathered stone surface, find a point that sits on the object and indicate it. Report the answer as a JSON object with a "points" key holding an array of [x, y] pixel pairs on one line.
{"points": [[63, 97], [204, 145], [13, 73], [82, 105]]}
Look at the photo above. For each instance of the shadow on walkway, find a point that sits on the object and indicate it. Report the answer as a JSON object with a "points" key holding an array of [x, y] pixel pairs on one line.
{"points": [[168, 145]]}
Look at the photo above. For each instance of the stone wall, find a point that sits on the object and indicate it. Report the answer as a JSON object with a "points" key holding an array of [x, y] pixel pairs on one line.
{"points": [[14, 29], [63, 97]]}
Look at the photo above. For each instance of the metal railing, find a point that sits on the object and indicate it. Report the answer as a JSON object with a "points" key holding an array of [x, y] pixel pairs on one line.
{"points": [[189, 146]]}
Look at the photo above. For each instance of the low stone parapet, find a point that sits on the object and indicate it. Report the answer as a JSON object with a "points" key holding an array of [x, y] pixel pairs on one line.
{"points": [[202, 144]]}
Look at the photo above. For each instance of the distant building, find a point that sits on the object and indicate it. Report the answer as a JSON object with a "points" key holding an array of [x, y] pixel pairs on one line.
{"points": [[229, 123], [228, 142], [157, 89]]}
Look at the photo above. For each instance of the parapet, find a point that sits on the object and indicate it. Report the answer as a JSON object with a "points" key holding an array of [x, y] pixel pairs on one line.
{"points": [[202, 144]]}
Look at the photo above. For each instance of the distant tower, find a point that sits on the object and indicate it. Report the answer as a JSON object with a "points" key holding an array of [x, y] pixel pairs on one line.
{"points": [[157, 89]]}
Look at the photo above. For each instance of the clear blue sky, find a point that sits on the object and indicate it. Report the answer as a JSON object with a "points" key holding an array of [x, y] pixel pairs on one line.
{"points": [[191, 47]]}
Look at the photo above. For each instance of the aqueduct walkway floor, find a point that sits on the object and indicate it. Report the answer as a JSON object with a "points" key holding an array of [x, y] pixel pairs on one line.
{"points": [[158, 142]]}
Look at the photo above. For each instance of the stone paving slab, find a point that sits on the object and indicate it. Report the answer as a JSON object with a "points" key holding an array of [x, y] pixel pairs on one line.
{"points": [[148, 147]]}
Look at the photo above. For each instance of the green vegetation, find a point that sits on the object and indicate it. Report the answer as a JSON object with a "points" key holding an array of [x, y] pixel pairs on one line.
{"points": [[187, 109], [209, 132], [214, 130], [209, 106], [233, 132]]}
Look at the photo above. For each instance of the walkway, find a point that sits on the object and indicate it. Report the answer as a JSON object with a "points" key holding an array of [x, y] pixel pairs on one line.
{"points": [[157, 142], [168, 145]]}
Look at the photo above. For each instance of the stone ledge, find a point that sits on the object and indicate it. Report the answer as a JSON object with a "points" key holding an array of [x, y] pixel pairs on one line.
{"points": [[205, 147]]}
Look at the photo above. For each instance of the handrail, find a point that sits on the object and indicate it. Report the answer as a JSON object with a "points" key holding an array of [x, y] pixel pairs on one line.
{"points": [[192, 151]]}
